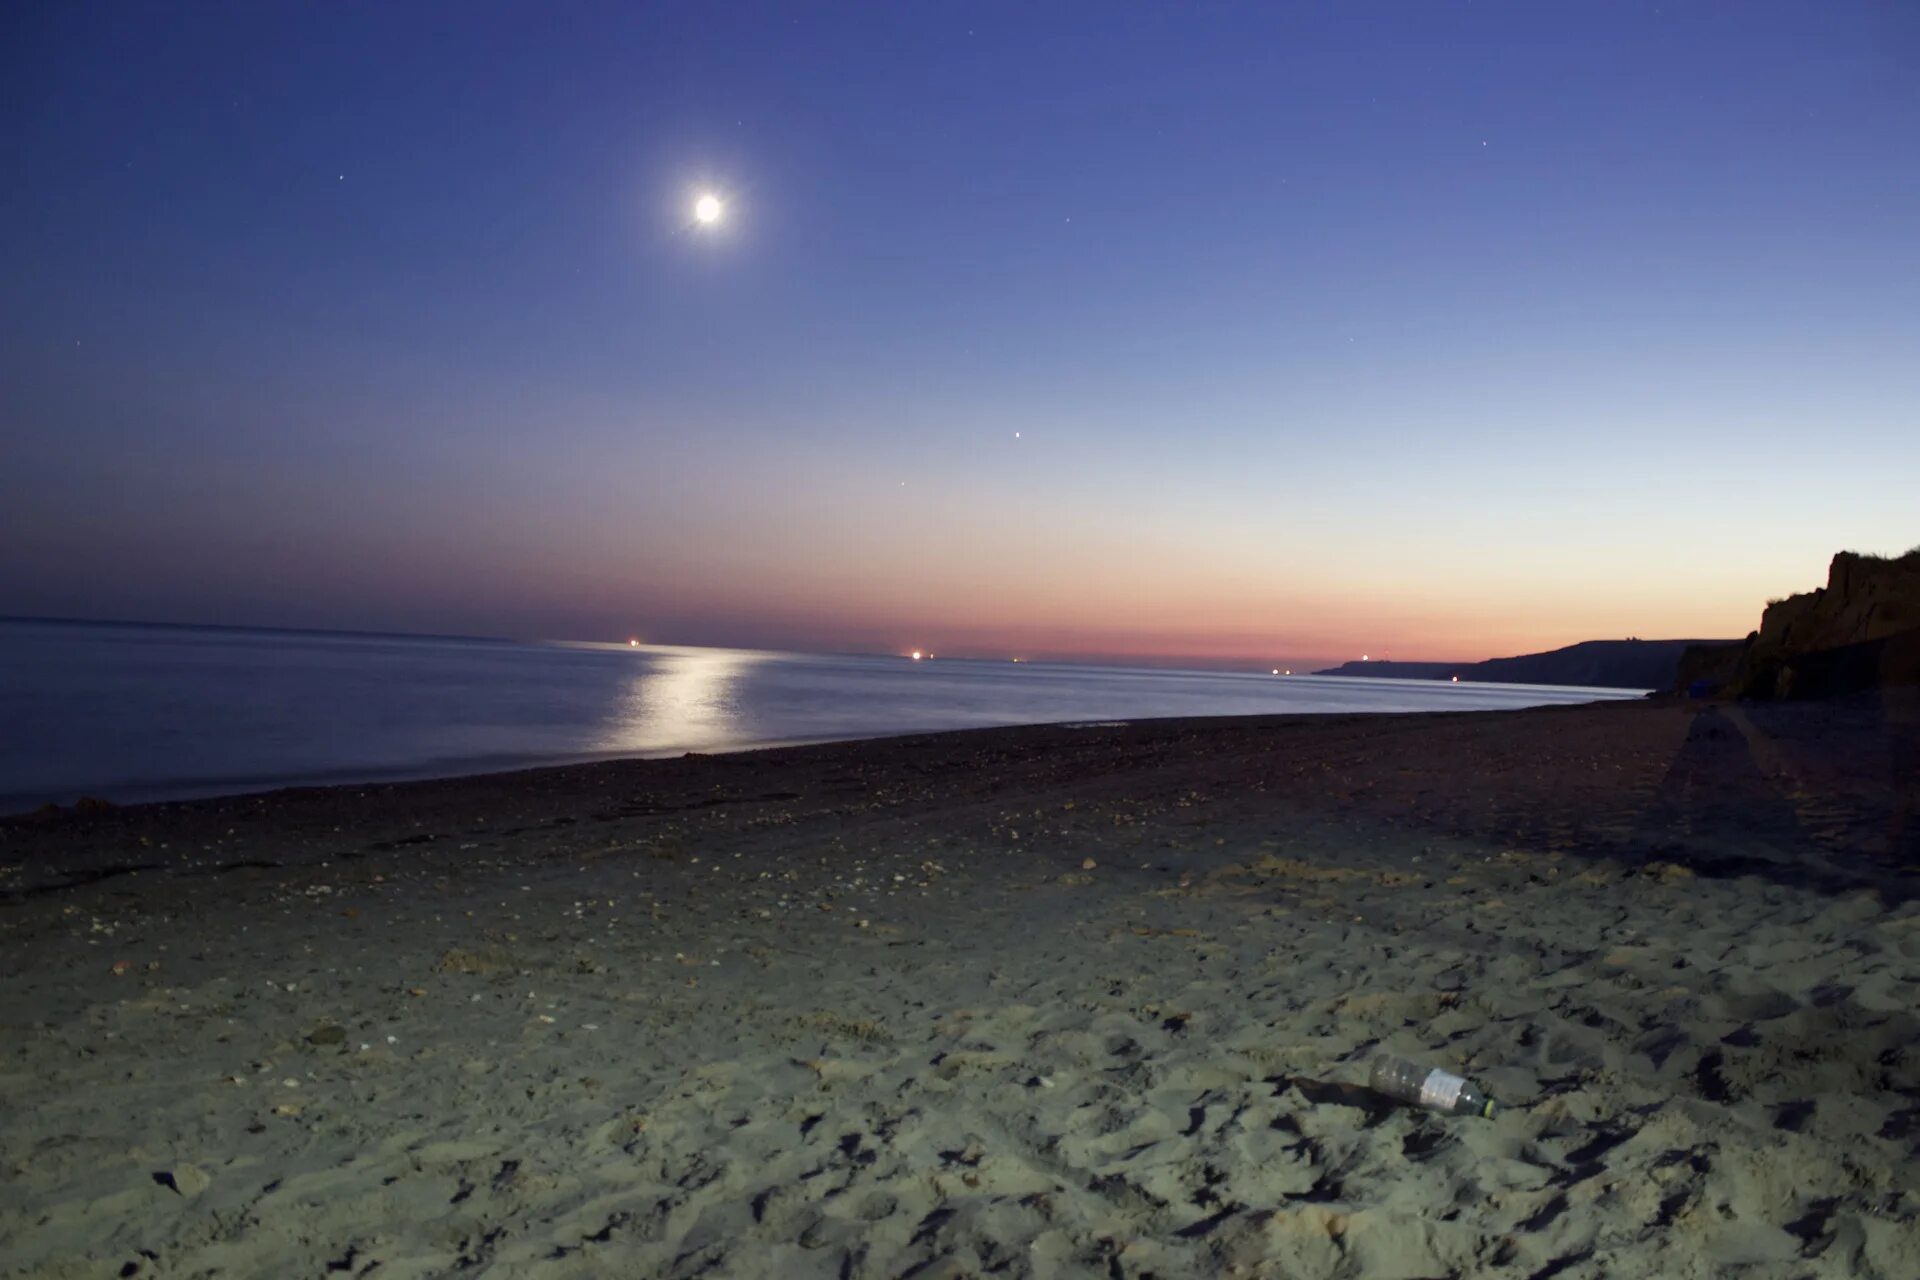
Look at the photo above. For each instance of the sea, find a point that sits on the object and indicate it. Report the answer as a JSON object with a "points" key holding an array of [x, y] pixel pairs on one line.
{"points": [[134, 712]]}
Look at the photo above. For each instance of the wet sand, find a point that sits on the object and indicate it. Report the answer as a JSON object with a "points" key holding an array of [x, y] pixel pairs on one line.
{"points": [[1044, 1002]]}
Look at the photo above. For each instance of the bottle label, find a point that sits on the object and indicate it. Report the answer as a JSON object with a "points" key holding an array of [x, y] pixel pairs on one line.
{"points": [[1441, 1090]]}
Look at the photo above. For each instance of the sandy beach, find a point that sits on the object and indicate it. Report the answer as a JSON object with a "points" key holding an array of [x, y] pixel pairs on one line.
{"points": [[1051, 1002]]}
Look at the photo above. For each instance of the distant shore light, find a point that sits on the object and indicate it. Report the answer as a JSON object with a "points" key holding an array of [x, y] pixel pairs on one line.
{"points": [[915, 655], [633, 644]]}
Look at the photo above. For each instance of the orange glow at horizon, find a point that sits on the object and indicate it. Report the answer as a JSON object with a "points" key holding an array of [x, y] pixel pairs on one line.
{"points": [[1064, 584], [1307, 624]]}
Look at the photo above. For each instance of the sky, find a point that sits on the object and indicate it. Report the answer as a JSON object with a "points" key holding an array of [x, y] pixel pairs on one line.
{"points": [[1188, 333]]}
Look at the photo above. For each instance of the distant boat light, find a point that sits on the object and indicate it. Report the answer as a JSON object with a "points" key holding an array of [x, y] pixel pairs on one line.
{"points": [[1456, 679]]}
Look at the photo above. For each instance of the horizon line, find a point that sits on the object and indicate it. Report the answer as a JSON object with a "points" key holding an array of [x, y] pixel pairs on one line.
{"points": [[1257, 665]]}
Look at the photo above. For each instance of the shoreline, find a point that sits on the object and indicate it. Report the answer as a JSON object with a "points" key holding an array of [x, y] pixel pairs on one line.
{"points": [[145, 795], [137, 794], [113, 715], [1043, 999]]}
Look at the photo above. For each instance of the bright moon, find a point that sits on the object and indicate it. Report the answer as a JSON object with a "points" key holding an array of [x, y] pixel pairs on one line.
{"points": [[707, 209]]}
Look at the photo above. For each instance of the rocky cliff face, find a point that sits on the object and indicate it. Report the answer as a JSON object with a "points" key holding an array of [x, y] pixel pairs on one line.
{"points": [[1866, 598], [1855, 632], [1713, 665]]}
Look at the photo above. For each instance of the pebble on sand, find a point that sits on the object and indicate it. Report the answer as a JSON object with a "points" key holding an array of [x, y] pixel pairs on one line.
{"points": [[187, 1180]]}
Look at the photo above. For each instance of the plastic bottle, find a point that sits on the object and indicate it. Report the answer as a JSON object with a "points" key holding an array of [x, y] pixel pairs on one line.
{"points": [[1429, 1087]]}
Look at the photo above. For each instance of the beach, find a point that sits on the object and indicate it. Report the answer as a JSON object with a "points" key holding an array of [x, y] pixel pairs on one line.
{"points": [[1091, 1000]]}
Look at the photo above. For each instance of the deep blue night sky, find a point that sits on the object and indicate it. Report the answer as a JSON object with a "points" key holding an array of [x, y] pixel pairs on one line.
{"points": [[1442, 329]]}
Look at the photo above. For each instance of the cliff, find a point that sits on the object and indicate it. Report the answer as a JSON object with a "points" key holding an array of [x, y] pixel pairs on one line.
{"points": [[1866, 598], [1710, 665], [1604, 664], [1593, 664], [1860, 630]]}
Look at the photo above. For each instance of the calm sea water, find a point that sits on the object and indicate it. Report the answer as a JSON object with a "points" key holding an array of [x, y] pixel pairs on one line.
{"points": [[143, 713]]}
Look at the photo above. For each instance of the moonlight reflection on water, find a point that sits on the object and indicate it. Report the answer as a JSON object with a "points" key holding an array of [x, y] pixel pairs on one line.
{"points": [[686, 699]]}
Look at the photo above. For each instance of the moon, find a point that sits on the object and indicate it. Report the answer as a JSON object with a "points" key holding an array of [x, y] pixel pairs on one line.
{"points": [[707, 209]]}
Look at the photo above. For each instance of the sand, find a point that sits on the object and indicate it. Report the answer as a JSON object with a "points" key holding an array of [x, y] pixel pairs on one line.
{"points": [[1048, 1002]]}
